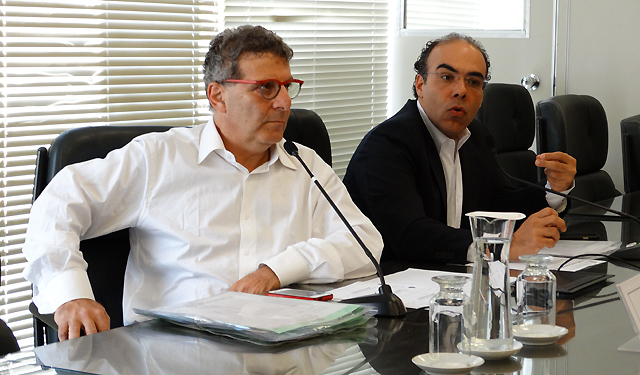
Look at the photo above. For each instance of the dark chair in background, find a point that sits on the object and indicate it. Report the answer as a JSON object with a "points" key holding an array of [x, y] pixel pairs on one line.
{"points": [[630, 133], [577, 125], [507, 111], [107, 255], [307, 128], [8, 342]]}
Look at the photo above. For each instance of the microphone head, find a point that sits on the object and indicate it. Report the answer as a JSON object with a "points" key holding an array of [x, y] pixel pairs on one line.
{"points": [[291, 148]]}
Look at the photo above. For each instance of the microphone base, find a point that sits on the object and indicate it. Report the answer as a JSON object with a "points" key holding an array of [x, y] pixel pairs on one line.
{"points": [[386, 303]]}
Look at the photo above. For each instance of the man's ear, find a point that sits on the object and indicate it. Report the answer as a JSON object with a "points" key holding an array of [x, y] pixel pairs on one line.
{"points": [[418, 84], [215, 94]]}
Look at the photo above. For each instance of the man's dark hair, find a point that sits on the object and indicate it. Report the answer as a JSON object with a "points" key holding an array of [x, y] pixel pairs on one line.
{"points": [[221, 62], [420, 66]]}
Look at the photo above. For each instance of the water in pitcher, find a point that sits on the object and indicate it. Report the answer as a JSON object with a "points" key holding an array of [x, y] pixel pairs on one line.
{"points": [[490, 327]]}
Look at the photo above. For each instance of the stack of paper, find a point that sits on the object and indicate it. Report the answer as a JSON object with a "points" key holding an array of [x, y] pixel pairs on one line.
{"points": [[264, 320]]}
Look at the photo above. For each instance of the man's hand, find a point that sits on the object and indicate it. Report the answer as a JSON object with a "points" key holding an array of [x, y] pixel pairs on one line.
{"points": [[560, 169], [541, 229], [79, 315], [258, 282]]}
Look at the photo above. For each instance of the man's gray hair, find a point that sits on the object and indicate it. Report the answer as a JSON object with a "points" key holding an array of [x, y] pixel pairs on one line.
{"points": [[221, 62]]}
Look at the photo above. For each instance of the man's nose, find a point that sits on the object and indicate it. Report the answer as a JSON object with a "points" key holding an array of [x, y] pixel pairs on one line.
{"points": [[282, 100], [460, 87]]}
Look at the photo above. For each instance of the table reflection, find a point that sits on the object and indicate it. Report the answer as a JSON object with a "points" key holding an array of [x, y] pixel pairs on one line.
{"points": [[155, 347]]}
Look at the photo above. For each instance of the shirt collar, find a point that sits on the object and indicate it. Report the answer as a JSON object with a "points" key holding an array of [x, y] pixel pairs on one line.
{"points": [[439, 137], [211, 141], [283, 155]]}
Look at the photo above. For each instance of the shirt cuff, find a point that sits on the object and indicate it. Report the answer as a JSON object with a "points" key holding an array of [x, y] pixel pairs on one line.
{"points": [[290, 267], [558, 202], [67, 286]]}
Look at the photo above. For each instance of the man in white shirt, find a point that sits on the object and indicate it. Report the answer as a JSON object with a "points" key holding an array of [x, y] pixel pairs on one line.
{"points": [[211, 208], [416, 174]]}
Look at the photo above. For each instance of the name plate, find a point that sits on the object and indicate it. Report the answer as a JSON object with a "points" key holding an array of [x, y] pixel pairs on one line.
{"points": [[629, 292]]}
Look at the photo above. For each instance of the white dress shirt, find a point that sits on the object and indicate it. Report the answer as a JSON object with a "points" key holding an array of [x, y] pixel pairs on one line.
{"points": [[448, 151], [199, 221]]}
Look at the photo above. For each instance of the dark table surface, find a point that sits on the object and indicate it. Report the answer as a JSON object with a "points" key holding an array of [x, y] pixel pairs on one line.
{"points": [[597, 321]]}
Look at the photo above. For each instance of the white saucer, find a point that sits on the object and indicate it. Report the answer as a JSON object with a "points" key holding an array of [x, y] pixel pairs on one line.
{"points": [[491, 354], [538, 334], [447, 363]]}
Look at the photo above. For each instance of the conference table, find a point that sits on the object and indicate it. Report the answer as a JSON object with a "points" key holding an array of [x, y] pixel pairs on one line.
{"points": [[596, 318]]}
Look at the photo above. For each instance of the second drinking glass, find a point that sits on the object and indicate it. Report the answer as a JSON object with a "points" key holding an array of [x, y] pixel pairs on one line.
{"points": [[446, 314]]}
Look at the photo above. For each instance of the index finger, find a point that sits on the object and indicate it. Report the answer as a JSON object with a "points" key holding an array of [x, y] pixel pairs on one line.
{"points": [[556, 158]]}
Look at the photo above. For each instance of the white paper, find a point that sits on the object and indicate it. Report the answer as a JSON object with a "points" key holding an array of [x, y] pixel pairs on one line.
{"points": [[414, 287], [573, 266], [569, 248]]}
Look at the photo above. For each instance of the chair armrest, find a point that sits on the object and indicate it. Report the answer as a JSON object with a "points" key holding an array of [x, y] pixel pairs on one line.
{"points": [[45, 318], [45, 329]]}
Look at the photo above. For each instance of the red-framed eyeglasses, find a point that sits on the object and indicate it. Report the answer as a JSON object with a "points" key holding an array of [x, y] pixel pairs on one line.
{"points": [[270, 88]]}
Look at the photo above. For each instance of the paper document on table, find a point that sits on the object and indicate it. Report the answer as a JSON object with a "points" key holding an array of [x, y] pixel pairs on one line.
{"points": [[414, 287], [573, 266], [569, 248], [262, 319], [565, 249]]}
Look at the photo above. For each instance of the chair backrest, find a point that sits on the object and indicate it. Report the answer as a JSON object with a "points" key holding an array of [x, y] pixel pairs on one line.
{"points": [[307, 128], [507, 111], [577, 125], [107, 255], [630, 133]]}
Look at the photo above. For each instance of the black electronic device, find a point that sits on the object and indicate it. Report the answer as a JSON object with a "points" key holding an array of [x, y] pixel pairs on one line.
{"points": [[570, 283]]}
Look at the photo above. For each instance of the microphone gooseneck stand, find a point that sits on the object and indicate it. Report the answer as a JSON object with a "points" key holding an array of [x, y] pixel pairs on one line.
{"points": [[385, 302]]}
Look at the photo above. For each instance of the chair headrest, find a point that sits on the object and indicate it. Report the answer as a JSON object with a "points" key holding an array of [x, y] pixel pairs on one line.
{"points": [[507, 111], [577, 125], [307, 128]]}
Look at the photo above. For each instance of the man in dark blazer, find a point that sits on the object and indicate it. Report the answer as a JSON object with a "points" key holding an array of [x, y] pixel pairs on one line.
{"points": [[416, 174]]}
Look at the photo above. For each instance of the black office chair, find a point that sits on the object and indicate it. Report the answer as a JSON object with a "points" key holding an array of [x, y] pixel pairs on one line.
{"points": [[307, 128], [507, 111], [106, 256], [577, 125], [630, 132], [8, 342]]}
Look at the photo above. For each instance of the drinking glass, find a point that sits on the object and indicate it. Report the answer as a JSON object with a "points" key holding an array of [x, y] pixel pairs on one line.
{"points": [[536, 291], [446, 314]]}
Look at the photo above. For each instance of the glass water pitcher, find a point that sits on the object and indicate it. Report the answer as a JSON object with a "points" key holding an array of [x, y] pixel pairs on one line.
{"points": [[488, 324]]}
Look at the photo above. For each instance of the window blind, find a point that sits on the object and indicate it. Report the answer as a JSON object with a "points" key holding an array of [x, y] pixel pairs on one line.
{"points": [[488, 15], [340, 52], [70, 63]]}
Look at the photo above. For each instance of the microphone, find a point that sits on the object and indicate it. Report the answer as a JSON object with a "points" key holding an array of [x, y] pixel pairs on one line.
{"points": [[492, 145], [386, 303]]}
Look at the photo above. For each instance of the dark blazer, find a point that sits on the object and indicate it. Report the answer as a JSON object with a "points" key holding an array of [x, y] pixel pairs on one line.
{"points": [[396, 178]]}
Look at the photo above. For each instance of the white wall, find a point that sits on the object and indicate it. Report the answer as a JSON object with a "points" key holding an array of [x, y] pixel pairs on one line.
{"points": [[602, 54], [598, 55]]}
